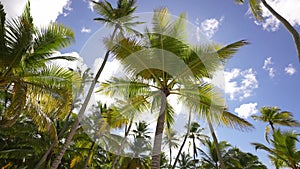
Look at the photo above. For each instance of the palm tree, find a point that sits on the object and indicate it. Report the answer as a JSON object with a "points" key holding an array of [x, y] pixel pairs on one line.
{"points": [[140, 145], [236, 159], [210, 159], [32, 86], [78, 91], [196, 134], [22, 144], [283, 152], [171, 140], [185, 161], [257, 13], [274, 116], [156, 74], [118, 17]]}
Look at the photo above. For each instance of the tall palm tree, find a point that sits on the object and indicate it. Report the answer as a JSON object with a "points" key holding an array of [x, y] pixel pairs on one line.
{"points": [[170, 139], [120, 18], [33, 86], [78, 90], [283, 152], [255, 6], [274, 116], [156, 74]]}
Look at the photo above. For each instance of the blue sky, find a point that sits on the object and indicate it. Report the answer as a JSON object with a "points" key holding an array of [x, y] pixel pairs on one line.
{"points": [[264, 73]]}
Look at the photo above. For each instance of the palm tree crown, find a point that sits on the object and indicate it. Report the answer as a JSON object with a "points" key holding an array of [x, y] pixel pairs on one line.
{"points": [[32, 86]]}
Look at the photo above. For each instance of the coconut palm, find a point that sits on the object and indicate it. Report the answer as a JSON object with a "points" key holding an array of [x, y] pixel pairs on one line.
{"points": [[138, 148], [120, 18], [274, 116], [31, 84], [210, 158], [185, 161], [22, 144], [283, 152], [78, 90], [255, 6], [170, 139], [155, 73], [195, 134], [236, 159]]}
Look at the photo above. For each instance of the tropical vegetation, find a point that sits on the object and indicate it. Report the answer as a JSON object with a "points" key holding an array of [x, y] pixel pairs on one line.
{"points": [[42, 105]]}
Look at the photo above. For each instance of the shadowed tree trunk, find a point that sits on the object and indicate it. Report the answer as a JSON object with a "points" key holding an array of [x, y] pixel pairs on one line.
{"points": [[184, 140], [287, 25], [155, 162], [222, 165], [75, 125]]}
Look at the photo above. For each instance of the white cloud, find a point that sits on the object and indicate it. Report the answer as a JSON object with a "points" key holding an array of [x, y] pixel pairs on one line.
{"points": [[267, 66], [289, 9], [246, 110], [85, 30], [290, 70], [209, 27], [240, 84], [91, 4], [43, 11], [70, 64]]}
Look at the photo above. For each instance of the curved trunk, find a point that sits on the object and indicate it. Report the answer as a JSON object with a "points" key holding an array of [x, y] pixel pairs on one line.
{"points": [[183, 143], [155, 162], [287, 25], [75, 125], [222, 165]]}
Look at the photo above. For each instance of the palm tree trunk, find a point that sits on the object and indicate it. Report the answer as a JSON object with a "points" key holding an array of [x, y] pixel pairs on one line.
{"points": [[117, 159], [155, 162], [170, 150], [216, 143], [38, 165], [184, 140], [89, 155], [287, 25], [272, 126], [194, 151], [75, 125]]}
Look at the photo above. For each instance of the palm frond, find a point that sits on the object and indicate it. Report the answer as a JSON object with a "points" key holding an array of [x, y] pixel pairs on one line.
{"points": [[124, 88], [48, 40], [229, 119], [227, 51], [256, 9]]}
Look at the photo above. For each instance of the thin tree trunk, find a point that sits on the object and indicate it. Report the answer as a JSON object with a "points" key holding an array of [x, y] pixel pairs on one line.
{"points": [[89, 155], [272, 126], [38, 165], [117, 159], [287, 25], [61, 132], [222, 165], [170, 150], [194, 151], [184, 140], [155, 162], [75, 125]]}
